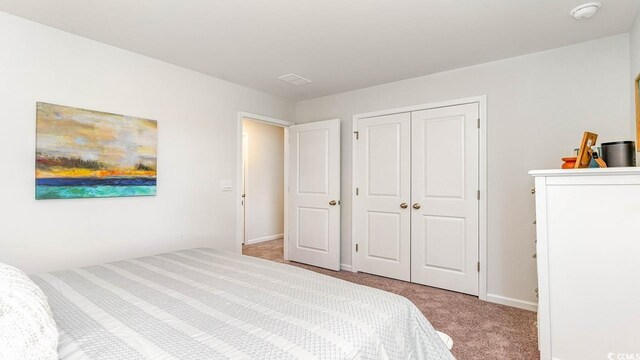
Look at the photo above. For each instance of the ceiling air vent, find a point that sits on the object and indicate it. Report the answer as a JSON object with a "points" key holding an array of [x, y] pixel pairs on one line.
{"points": [[294, 79], [585, 11]]}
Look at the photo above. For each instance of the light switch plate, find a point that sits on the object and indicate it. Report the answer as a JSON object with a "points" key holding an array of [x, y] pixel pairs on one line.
{"points": [[226, 185]]}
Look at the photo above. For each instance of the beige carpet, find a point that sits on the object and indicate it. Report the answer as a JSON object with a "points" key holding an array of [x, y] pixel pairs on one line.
{"points": [[480, 330]]}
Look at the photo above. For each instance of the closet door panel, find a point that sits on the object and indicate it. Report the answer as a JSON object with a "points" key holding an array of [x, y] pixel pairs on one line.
{"points": [[384, 179], [444, 223]]}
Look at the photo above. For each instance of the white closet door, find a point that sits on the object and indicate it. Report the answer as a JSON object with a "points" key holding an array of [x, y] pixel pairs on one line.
{"points": [[444, 222], [314, 196], [382, 207]]}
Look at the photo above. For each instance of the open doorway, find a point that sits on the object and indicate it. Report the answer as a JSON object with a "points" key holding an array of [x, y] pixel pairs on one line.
{"points": [[262, 187], [310, 210]]}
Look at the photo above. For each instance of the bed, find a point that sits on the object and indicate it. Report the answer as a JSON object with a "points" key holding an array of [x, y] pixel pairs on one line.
{"points": [[208, 304]]}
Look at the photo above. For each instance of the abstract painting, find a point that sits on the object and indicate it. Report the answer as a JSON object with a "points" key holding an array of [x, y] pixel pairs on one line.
{"points": [[84, 154]]}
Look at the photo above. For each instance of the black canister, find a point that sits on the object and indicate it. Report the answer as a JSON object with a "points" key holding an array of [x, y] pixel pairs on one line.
{"points": [[619, 153]]}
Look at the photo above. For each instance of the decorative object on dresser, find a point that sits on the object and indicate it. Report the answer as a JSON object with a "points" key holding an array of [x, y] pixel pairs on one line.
{"points": [[588, 225], [83, 153], [569, 162], [619, 153], [586, 153]]}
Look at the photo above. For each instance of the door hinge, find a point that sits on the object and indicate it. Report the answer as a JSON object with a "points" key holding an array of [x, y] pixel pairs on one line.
{"points": [[357, 191], [478, 194], [478, 266], [357, 134], [356, 247], [478, 123]]}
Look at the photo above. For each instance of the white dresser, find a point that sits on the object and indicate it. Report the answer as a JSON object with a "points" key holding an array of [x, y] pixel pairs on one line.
{"points": [[588, 253]]}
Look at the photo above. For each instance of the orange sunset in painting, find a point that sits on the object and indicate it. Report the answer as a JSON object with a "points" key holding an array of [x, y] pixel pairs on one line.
{"points": [[83, 153]]}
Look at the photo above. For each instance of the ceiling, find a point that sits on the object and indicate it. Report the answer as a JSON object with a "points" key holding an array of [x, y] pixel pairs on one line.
{"points": [[340, 45]]}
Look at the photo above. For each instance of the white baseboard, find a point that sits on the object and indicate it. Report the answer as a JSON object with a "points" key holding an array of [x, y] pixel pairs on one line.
{"points": [[263, 239], [520, 304], [346, 267]]}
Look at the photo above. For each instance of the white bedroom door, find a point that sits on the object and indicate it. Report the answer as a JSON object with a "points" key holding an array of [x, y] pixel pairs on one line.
{"points": [[314, 194], [384, 183], [444, 222]]}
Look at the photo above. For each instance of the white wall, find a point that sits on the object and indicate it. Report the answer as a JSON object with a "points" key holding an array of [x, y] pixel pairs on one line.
{"points": [[264, 179], [538, 107], [197, 127]]}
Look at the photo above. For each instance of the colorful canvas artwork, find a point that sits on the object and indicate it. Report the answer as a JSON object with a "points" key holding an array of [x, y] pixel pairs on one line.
{"points": [[83, 154]]}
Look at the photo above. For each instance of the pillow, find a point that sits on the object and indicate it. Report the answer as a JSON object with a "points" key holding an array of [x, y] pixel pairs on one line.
{"points": [[27, 328]]}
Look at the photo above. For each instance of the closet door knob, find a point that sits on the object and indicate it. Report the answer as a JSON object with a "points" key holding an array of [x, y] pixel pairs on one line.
{"points": [[332, 203], [404, 205], [417, 206]]}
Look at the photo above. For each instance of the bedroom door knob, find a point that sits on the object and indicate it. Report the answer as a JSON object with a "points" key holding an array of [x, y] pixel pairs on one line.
{"points": [[417, 206], [333, 203], [404, 205]]}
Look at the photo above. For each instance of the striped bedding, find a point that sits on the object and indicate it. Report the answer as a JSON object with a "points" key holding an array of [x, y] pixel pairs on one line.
{"points": [[209, 304]]}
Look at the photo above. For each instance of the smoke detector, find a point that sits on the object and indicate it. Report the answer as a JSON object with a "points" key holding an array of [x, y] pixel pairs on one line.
{"points": [[585, 11], [294, 79]]}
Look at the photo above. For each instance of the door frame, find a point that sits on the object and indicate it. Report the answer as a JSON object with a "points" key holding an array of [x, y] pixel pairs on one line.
{"points": [[239, 169], [482, 177]]}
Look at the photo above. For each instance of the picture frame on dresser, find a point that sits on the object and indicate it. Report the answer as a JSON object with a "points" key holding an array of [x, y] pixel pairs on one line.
{"points": [[584, 154]]}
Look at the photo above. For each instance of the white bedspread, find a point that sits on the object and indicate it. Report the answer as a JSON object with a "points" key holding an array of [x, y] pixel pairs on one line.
{"points": [[208, 304]]}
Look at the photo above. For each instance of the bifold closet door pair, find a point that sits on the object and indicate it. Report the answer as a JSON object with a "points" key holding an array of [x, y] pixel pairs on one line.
{"points": [[416, 212]]}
